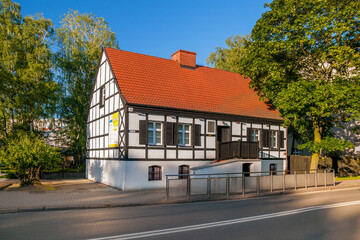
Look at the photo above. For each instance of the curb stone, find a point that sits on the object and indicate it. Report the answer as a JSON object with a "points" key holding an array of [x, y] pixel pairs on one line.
{"points": [[29, 209], [9, 210], [167, 202]]}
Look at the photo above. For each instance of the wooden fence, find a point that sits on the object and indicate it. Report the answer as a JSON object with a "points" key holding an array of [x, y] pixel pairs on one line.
{"points": [[302, 163]]}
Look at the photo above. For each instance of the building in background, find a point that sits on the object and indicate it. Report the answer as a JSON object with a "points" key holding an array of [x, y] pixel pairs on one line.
{"points": [[51, 130]]}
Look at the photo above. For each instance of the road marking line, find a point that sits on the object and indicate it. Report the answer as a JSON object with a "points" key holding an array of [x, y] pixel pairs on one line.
{"points": [[226, 222]]}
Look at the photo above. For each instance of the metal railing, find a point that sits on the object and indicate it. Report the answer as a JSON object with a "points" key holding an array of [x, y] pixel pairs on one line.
{"points": [[243, 183]]}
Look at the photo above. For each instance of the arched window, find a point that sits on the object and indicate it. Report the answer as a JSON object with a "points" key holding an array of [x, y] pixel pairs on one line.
{"points": [[273, 168], [184, 169], [155, 173]]}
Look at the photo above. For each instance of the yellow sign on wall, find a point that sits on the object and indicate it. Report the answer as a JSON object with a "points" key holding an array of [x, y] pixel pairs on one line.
{"points": [[113, 130]]}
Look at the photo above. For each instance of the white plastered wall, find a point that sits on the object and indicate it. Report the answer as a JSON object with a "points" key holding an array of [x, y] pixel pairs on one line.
{"points": [[281, 165], [137, 173], [110, 172], [228, 167]]}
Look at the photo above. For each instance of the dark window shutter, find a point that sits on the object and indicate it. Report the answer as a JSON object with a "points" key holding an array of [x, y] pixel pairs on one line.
{"points": [[143, 132], [248, 134], [197, 133], [265, 138], [170, 133], [175, 134], [281, 139]]}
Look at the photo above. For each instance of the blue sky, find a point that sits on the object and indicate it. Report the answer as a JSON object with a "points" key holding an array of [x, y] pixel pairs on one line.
{"points": [[160, 28]]}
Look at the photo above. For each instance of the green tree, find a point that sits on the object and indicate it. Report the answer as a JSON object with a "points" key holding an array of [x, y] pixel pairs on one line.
{"points": [[27, 89], [27, 154], [10, 32], [304, 57], [231, 58], [79, 39]]}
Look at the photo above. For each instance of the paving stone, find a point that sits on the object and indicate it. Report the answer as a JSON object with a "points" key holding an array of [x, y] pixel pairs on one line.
{"points": [[82, 194]]}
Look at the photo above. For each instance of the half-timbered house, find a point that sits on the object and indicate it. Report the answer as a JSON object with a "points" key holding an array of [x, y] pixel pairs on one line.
{"points": [[150, 116]]}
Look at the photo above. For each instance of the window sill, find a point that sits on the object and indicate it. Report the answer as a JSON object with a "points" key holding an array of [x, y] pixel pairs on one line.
{"points": [[155, 145]]}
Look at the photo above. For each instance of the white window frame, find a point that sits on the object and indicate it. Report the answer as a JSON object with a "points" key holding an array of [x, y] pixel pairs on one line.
{"points": [[273, 139], [152, 128], [255, 135], [182, 132]]}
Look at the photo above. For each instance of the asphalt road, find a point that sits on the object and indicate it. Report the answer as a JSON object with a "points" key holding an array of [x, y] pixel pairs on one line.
{"points": [[321, 215]]}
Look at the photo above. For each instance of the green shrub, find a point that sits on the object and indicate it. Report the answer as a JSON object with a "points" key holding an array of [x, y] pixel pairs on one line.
{"points": [[26, 154], [11, 175]]}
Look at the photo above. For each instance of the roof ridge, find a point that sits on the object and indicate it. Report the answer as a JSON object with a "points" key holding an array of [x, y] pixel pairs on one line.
{"points": [[147, 55], [197, 65]]}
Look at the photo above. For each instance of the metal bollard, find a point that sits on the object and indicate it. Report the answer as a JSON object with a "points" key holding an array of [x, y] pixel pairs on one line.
{"points": [[284, 187], [167, 188], [271, 181], [188, 187], [325, 177], [243, 184], [227, 185], [208, 186]]}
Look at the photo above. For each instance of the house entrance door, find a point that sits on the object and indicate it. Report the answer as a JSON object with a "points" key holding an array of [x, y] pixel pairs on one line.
{"points": [[224, 134], [246, 169]]}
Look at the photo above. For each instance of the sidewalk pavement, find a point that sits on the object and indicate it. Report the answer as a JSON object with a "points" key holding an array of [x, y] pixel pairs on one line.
{"points": [[85, 194]]}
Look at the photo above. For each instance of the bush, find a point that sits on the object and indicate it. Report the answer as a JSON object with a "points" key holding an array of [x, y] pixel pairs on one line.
{"points": [[11, 175], [26, 154], [349, 165]]}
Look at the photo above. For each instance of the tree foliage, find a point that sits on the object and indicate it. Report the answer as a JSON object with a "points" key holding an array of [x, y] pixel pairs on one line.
{"points": [[79, 40], [231, 58], [27, 89], [304, 56], [27, 154]]}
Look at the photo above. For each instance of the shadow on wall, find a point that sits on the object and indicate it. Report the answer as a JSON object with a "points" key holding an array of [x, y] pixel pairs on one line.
{"points": [[113, 172], [96, 171], [116, 176]]}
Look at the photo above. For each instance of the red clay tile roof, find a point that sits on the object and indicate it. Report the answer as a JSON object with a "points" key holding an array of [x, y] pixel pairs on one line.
{"points": [[155, 81]]}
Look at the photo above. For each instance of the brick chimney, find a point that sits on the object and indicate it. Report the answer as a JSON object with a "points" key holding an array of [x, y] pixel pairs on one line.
{"points": [[185, 58]]}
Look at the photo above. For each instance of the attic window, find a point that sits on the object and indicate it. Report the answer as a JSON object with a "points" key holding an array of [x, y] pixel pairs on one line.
{"points": [[102, 96]]}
